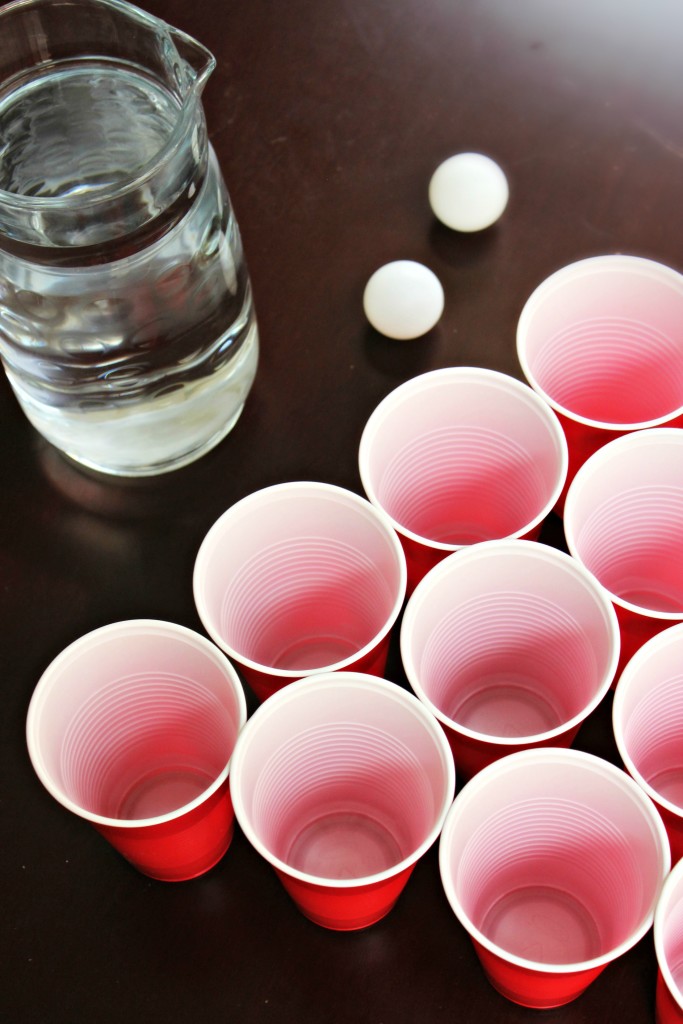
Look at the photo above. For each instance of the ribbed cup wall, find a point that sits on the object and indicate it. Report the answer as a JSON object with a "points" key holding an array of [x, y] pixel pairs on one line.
{"points": [[632, 545], [340, 763], [342, 768], [557, 845], [512, 638], [305, 603], [559, 829], [134, 721], [462, 484], [140, 727], [298, 577], [675, 956], [624, 519], [654, 732], [509, 638], [609, 369], [602, 340], [463, 454], [668, 933], [648, 717]]}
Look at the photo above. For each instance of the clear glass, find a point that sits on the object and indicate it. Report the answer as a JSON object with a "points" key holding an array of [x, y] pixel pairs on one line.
{"points": [[127, 328]]}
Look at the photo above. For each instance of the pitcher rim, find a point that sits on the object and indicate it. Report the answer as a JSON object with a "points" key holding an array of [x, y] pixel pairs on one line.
{"points": [[186, 110]]}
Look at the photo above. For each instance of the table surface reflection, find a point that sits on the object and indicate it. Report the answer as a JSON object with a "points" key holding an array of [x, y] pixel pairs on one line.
{"points": [[329, 119]]}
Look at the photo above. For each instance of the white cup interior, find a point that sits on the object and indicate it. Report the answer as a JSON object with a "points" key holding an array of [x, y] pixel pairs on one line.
{"points": [[648, 717], [299, 577], [668, 933], [623, 519], [603, 340], [135, 721], [461, 455], [341, 777], [553, 857], [509, 640]]}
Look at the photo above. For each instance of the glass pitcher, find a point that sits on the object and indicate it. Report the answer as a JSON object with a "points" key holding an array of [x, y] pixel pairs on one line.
{"points": [[127, 329]]}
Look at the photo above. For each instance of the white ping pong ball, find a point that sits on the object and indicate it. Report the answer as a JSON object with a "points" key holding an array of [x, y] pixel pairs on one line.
{"points": [[468, 192], [403, 299]]}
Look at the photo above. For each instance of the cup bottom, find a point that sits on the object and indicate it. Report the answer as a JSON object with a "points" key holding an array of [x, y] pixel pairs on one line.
{"points": [[460, 532], [506, 708], [669, 784], [543, 924], [655, 599], [162, 792], [344, 845], [315, 652]]}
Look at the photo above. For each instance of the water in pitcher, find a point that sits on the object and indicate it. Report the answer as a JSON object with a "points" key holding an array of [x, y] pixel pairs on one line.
{"points": [[134, 354]]}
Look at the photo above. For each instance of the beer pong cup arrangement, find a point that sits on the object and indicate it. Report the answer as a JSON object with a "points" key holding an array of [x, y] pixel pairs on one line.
{"points": [[300, 578], [648, 726], [510, 644], [341, 782], [132, 727], [461, 455], [601, 341], [553, 861], [668, 933], [623, 520]]}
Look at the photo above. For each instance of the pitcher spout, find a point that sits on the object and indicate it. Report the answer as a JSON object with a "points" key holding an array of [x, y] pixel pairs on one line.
{"points": [[199, 62]]}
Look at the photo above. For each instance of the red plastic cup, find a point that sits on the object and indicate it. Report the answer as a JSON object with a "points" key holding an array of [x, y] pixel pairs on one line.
{"points": [[511, 645], [647, 715], [300, 578], [132, 727], [668, 935], [342, 782], [600, 340], [461, 455], [552, 860], [623, 520]]}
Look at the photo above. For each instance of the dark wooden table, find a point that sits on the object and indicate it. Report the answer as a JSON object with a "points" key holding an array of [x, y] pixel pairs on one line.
{"points": [[329, 119]]}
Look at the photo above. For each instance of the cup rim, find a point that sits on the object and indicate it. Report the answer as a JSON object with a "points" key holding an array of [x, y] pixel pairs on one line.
{"points": [[292, 674], [539, 756], [578, 269], [670, 635], [491, 548], [592, 464], [329, 681], [423, 381], [123, 628], [671, 882]]}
